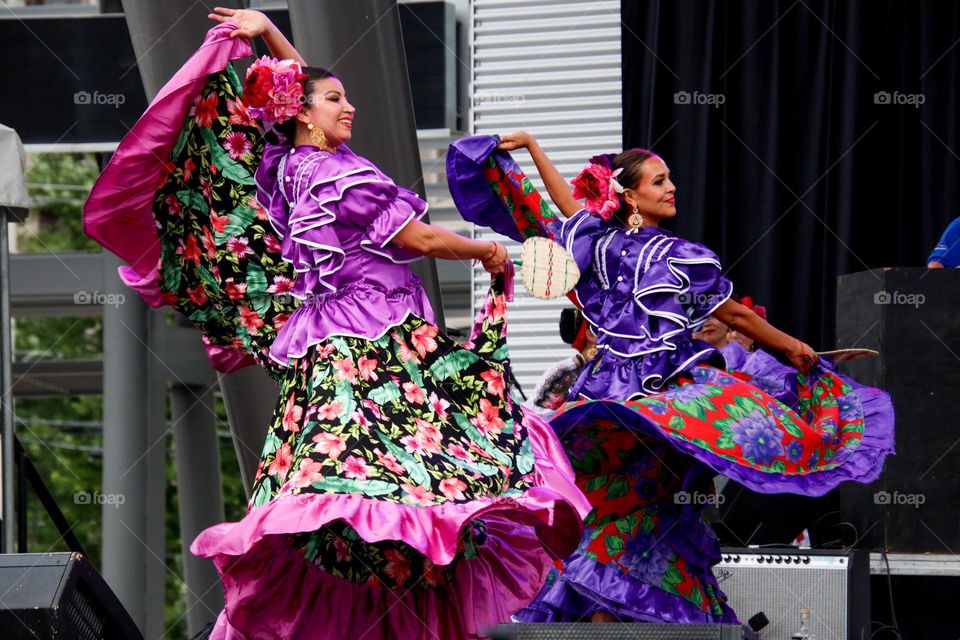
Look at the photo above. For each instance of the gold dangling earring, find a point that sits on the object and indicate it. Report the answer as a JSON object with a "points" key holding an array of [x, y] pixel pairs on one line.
{"points": [[635, 221], [317, 137]]}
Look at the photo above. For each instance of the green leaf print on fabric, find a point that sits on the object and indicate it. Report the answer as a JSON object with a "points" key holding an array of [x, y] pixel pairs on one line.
{"points": [[193, 200], [615, 545], [618, 488], [525, 459], [596, 482], [451, 364], [627, 525], [363, 487], [473, 467], [388, 393], [230, 168], [479, 439], [238, 220], [647, 524]]}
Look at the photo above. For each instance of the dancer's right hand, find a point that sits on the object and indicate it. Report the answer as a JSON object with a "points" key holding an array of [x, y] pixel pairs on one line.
{"points": [[517, 140], [250, 23]]}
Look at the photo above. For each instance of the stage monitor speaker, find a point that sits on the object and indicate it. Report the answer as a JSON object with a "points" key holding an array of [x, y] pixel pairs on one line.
{"points": [[617, 631], [910, 316], [61, 596], [833, 585]]}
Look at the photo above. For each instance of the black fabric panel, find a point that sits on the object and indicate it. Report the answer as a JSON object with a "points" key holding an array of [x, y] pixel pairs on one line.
{"points": [[800, 176]]}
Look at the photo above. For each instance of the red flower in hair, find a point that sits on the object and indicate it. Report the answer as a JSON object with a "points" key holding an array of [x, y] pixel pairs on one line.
{"points": [[747, 301], [596, 186], [257, 88]]}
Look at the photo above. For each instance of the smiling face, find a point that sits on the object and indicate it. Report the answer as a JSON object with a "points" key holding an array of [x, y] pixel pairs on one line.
{"points": [[329, 109], [654, 196]]}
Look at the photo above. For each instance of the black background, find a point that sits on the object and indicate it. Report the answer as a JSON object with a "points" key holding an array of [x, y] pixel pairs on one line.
{"points": [[799, 176]]}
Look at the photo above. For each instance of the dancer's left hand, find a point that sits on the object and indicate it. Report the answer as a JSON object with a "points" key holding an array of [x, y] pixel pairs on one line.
{"points": [[497, 261], [250, 23], [802, 356]]}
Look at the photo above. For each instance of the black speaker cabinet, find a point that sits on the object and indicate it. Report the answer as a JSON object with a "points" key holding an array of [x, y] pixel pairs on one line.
{"points": [[59, 595], [912, 317]]}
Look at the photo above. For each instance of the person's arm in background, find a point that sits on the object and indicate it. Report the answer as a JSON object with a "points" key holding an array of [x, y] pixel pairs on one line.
{"points": [[560, 192], [251, 24], [947, 251]]}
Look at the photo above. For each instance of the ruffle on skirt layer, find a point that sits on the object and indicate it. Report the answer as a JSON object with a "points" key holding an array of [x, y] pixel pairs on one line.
{"points": [[777, 432], [769, 444], [586, 586], [645, 557], [272, 591]]}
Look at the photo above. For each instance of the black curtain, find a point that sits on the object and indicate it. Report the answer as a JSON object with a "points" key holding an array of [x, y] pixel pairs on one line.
{"points": [[795, 135]]}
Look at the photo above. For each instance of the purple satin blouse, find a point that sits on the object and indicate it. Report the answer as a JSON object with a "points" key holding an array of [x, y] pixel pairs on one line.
{"points": [[336, 215], [643, 294]]}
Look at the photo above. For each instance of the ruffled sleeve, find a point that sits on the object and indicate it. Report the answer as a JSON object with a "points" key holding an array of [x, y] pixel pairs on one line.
{"points": [[687, 280], [374, 203]]}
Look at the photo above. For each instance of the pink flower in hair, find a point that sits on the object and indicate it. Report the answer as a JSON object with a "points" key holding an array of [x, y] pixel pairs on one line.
{"points": [[597, 186], [273, 91]]}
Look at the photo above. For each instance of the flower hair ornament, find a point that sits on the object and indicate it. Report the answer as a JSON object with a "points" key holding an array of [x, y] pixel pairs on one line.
{"points": [[598, 187], [273, 90], [747, 301]]}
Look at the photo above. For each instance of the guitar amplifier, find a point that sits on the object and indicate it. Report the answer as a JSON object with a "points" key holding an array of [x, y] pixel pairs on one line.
{"points": [[833, 584]]}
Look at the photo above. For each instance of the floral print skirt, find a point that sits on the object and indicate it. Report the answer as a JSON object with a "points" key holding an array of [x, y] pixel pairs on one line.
{"points": [[647, 465], [402, 493], [409, 418]]}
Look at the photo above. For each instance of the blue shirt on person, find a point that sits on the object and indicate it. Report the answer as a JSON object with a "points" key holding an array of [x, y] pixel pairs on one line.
{"points": [[947, 251]]}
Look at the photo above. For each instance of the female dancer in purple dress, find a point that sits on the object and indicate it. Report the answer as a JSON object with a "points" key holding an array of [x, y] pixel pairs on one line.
{"points": [[654, 416], [402, 491]]}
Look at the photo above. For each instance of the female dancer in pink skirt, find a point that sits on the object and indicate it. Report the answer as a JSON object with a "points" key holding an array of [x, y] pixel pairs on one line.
{"points": [[402, 491]]}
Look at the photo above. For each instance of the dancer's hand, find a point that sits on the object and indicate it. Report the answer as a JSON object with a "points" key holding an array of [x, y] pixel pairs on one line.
{"points": [[250, 23], [518, 140], [496, 260], [802, 356]]}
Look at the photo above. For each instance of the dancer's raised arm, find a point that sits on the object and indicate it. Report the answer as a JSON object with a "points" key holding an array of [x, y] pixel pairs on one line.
{"points": [[251, 24], [560, 192]]}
